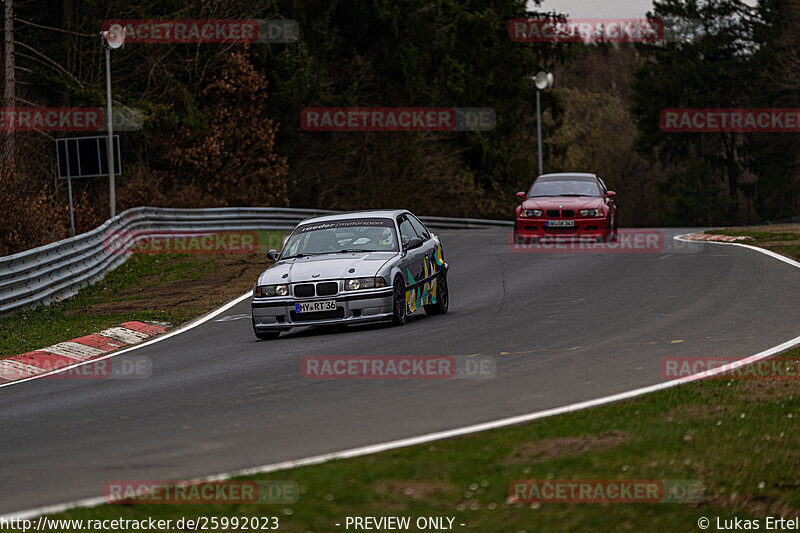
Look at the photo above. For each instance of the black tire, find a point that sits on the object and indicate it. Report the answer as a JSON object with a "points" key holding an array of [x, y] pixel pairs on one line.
{"points": [[527, 241], [266, 335], [611, 230], [399, 311], [442, 301]]}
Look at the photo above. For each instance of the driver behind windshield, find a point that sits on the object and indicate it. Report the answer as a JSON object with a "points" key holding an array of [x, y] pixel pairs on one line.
{"points": [[368, 235], [564, 188]]}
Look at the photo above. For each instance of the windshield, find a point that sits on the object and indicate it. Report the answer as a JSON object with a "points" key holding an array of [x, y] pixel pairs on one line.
{"points": [[350, 235], [566, 187]]}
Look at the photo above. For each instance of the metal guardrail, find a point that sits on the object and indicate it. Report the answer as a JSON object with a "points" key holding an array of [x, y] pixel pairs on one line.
{"points": [[60, 269]]}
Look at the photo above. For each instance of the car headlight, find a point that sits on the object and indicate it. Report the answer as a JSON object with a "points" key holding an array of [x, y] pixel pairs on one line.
{"points": [[531, 212], [364, 283], [590, 213], [265, 291]]}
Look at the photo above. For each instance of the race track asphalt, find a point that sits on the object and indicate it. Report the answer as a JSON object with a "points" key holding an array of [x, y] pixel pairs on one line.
{"points": [[562, 327]]}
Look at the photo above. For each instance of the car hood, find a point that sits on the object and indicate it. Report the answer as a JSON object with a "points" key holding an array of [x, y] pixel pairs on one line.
{"points": [[569, 202], [329, 266]]}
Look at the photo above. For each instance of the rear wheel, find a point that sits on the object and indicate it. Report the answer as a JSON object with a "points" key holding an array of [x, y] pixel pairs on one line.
{"points": [[442, 299], [399, 312]]}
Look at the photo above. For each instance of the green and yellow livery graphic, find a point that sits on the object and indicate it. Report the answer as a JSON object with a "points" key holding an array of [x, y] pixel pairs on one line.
{"points": [[424, 294], [437, 256]]}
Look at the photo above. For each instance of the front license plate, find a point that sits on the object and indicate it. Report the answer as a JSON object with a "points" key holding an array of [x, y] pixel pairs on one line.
{"points": [[311, 307], [560, 223]]}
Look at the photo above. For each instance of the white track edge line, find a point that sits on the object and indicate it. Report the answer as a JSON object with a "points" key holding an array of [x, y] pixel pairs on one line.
{"points": [[186, 327], [770, 253], [457, 432], [421, 439]]}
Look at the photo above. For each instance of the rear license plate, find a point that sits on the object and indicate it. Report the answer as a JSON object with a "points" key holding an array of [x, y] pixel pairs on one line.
{"points": [[312, 307], [560, 223]]}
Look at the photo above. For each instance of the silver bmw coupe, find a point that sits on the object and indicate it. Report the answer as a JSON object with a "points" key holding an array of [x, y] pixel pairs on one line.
{"points": [[351, 268]]}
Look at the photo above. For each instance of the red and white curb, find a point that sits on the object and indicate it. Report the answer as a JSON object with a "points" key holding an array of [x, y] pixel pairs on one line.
{"points": [[78, 350], [714, 238]]}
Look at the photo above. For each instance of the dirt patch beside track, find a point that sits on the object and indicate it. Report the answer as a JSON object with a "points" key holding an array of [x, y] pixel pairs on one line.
{"points": [[209, 282]]}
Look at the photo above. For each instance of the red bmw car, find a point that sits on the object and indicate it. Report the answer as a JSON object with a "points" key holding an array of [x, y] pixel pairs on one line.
{"points": [[566, 206]]}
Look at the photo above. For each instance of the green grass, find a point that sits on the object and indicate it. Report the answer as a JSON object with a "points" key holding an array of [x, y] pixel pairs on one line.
{"points": [[738, 438], [758, 236], [744, 452], [42, 326], [768, 240], [789, 250]]}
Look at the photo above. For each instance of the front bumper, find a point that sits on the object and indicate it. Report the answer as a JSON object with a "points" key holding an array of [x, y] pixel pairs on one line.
{"points": [[536, 228], [279, 314]]}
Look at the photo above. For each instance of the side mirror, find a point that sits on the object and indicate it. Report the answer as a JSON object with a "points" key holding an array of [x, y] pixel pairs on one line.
{"points": [[611, 194], [416, 242], [522, 195], [272, 255]]}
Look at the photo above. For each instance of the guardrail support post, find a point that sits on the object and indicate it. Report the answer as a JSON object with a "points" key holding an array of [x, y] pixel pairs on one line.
{"points": [[71, 211]]}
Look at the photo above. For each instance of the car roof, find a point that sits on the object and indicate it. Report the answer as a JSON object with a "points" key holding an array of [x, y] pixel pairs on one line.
{"points": [[375, 213], [563, 175]]}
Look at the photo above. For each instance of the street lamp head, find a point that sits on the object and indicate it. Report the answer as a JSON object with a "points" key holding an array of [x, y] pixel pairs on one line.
{"points": [[114, 37], [543, 80]]}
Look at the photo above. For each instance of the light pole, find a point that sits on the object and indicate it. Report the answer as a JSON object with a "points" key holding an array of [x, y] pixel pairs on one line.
{"points": [[542, 81], [112, 39]]}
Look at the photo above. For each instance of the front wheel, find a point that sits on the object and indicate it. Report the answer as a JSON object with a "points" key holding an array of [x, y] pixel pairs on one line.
{"points": [[399, 312], [265, 335], [616, 226], [611, 229], [442, 299], [525, 241]]}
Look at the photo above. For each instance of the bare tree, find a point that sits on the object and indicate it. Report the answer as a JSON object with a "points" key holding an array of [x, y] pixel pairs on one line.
{"points": [[9, 79]]}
